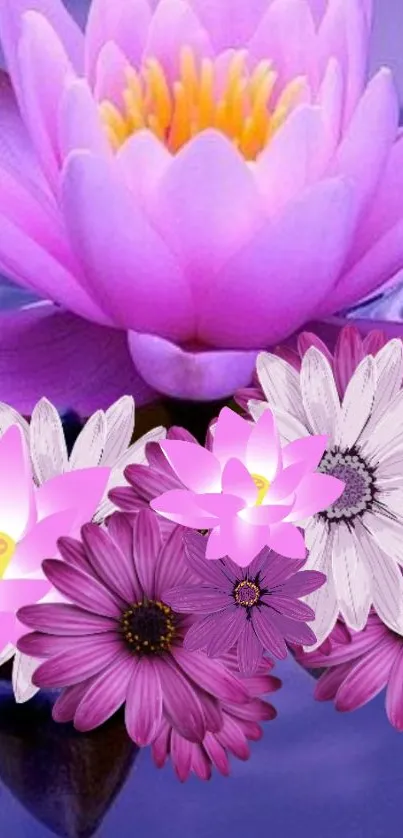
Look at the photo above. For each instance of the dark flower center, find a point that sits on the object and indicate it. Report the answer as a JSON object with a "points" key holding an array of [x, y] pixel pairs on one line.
{"points": [[148, 627], [247, 593], [360, 489]]}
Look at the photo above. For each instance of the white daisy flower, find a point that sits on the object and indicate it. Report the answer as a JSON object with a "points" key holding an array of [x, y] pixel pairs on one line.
{"points": [[103, 441], [357, 542]]}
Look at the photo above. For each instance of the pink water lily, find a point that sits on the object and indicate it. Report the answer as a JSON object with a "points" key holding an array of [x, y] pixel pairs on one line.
{"points": [[247, 490], [155, 171], [31, 521]]}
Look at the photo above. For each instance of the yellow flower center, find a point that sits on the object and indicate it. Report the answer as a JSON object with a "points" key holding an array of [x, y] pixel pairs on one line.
{"points": [[239, 105], [262, 486], [7, 549]]}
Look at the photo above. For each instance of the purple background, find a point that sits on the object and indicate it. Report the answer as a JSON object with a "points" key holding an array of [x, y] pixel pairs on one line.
{"points": [[316, 773]]}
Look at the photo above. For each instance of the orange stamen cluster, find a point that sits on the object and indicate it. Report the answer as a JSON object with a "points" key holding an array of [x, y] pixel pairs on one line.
{"points": [[240, 105]]}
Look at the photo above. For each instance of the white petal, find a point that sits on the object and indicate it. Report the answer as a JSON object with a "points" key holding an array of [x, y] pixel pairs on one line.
{"points": [[357, 403], [280, 384], [7, 653], [47, 443], [386, 437], [8, 417], [289, 428], [390, 499], [23, 669], [89, 445], [316, 539], [324, 603], [134, 454], [387, 533], [350, 579], [319, 393], [120, 427], [386, 582], [389, 364]]}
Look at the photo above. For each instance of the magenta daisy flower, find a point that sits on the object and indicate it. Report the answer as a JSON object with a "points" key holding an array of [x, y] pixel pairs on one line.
{"points": [[119, 642], [240, 725], [256, 608], [349, 351], [359, 670]]}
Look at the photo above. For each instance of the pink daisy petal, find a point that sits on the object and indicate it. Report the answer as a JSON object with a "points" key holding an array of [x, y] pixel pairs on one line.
{"points": [[107, 561], [121, 532], [394, 693], [171, 568], [146, 546], [66, 704], [148, 483], [72, 551], [250, 650], [329, 683], [217, 753], [105, 695], [40, 645], [73, 665], [211, 676], [197, 468], [63, 619], [366, 679], [181, 754], [143, 712], [181, 703], [81, 588]]}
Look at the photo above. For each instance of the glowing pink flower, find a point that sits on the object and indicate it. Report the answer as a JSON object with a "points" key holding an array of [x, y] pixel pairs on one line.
{"points": [[240, 724], [254, 610], [247, 490], [31, 521], [188, 182], [359, 670], [350, 349], [118, 642]]}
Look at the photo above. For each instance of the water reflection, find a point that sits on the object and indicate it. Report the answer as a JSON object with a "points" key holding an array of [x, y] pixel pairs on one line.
{"points": [[66, 780]]}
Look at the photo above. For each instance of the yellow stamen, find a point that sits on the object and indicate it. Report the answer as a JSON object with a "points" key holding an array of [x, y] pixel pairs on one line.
{"points": [[262, 485], [236, 101], [7, 550]]}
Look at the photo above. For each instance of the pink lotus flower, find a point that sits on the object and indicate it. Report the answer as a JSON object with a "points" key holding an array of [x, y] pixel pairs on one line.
{"points": [[247, 490], [31, 521], [359, 670], [118, 642], [187, 182], [350, 349], [240, 724], [254, 610]]}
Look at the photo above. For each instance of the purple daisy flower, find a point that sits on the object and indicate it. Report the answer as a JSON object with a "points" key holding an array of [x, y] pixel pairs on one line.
{"points": [[256, 608], [119, 642]]}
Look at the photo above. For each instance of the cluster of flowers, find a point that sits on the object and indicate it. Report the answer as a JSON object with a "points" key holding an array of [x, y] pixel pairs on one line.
{"points": [[182, 184], [165, 575]]}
